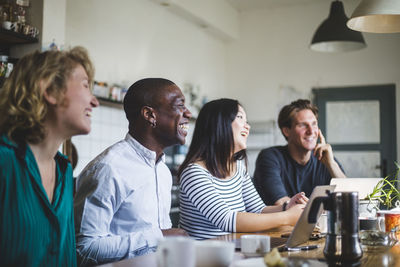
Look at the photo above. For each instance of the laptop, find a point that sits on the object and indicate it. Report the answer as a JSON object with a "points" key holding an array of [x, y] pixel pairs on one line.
{"points": [[363, 186], [302, 230]]}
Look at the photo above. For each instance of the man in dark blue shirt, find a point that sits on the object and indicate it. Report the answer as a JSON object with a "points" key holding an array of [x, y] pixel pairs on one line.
{"points": [[302, 164]]}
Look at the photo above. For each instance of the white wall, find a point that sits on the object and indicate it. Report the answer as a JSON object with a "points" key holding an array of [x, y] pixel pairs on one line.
{"points": [[54, 19], [268, 64], [271, 61], [132, 39]]}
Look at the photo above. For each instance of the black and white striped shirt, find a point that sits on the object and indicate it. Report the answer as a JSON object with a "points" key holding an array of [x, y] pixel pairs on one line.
{"points": [[209, 205]]}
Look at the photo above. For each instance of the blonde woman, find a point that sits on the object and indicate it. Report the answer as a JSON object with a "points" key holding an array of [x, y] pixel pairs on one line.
{"points": [[46, 100]]}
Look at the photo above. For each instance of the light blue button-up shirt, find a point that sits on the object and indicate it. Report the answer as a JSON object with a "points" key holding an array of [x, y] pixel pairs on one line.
{"points": [[122, 202]]}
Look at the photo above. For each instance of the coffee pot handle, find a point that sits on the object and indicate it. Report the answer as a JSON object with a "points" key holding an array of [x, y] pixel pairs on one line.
{"points": [[312, 215]]}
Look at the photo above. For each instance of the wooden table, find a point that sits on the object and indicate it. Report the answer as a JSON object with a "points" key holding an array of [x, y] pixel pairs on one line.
{"points": [[388, 258]]}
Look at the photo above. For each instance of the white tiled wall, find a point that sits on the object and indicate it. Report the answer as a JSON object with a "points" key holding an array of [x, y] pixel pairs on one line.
{"points": [[109, 125]]}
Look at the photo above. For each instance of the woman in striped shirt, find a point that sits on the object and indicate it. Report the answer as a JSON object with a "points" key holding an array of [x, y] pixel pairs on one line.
{"points": [[217, 195]]}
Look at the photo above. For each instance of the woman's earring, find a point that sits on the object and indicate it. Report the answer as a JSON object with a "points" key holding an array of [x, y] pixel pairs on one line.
{"points": [[153, 124]]}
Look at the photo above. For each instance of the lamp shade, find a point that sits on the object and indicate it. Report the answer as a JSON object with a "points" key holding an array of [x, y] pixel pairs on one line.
{"points": [[377, 16], [333, 35]]}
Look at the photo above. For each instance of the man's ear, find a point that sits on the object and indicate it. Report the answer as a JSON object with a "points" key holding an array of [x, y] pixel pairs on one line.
{"points": [[50, 98], [148, 114], [285, 131]]}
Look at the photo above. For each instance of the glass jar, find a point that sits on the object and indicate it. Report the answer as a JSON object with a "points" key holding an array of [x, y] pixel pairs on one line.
{"points": [[3, 65]]}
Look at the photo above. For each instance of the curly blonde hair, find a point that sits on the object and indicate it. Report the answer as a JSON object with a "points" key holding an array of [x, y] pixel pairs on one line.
{"points": [[23, 108]]}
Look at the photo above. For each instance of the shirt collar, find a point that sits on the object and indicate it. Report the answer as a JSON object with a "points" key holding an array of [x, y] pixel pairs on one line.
{"points": [[148, 154], [19, 148], [62, 160], [5, 140]]}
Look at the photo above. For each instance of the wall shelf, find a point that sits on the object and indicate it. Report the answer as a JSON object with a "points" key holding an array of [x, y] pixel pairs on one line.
{"points": [[9, 38], [110, 103]]}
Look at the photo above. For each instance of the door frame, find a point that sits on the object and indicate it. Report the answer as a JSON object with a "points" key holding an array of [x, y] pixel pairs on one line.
{"points": [[386, 95]]}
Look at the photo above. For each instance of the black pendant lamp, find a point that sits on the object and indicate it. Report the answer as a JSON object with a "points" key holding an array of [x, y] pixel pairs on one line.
{"points": [[333, 35]]}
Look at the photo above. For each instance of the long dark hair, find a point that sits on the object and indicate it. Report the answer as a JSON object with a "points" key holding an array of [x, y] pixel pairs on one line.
{"points": [[213, 138]]}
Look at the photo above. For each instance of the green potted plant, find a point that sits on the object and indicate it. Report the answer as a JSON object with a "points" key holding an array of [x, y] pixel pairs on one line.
{"points": [[385, 192]]}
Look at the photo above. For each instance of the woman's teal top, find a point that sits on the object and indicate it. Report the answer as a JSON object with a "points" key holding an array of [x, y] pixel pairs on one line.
{"points": [[33, 231]]}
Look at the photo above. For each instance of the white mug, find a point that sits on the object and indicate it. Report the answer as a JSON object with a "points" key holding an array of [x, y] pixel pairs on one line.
{"points": [[255, 245], [177, 251], [7, 25], [214, 253], [322, 223]]}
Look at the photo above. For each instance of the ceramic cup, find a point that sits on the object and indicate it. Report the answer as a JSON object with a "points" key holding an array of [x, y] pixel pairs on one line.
{"points": [[214, 253], [322, 223], [367, 223], [7, 25], [15, 26], [176, 252], [389, 221], [34, 32], [26, 29], [255, 245]]}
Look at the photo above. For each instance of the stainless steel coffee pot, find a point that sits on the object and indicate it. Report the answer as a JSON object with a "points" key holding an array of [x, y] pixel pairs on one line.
{"points": [[342, 241]]}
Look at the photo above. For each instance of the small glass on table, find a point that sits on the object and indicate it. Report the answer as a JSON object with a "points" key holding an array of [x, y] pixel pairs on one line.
{"points": [[376, 241]]}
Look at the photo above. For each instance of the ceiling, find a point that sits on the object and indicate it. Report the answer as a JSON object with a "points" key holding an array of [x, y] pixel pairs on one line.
{"points": [[246, 5]]}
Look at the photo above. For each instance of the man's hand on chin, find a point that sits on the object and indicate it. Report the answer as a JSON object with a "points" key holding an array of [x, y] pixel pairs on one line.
{"points": [[174, 231], [323, 151]]}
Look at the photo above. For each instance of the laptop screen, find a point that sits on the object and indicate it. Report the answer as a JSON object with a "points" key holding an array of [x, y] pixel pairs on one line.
{"points": [[303, 229], [363, 186]]}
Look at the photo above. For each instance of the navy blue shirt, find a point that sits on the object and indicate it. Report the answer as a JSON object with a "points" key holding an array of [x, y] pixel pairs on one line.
{"points": [[278, 175]]}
